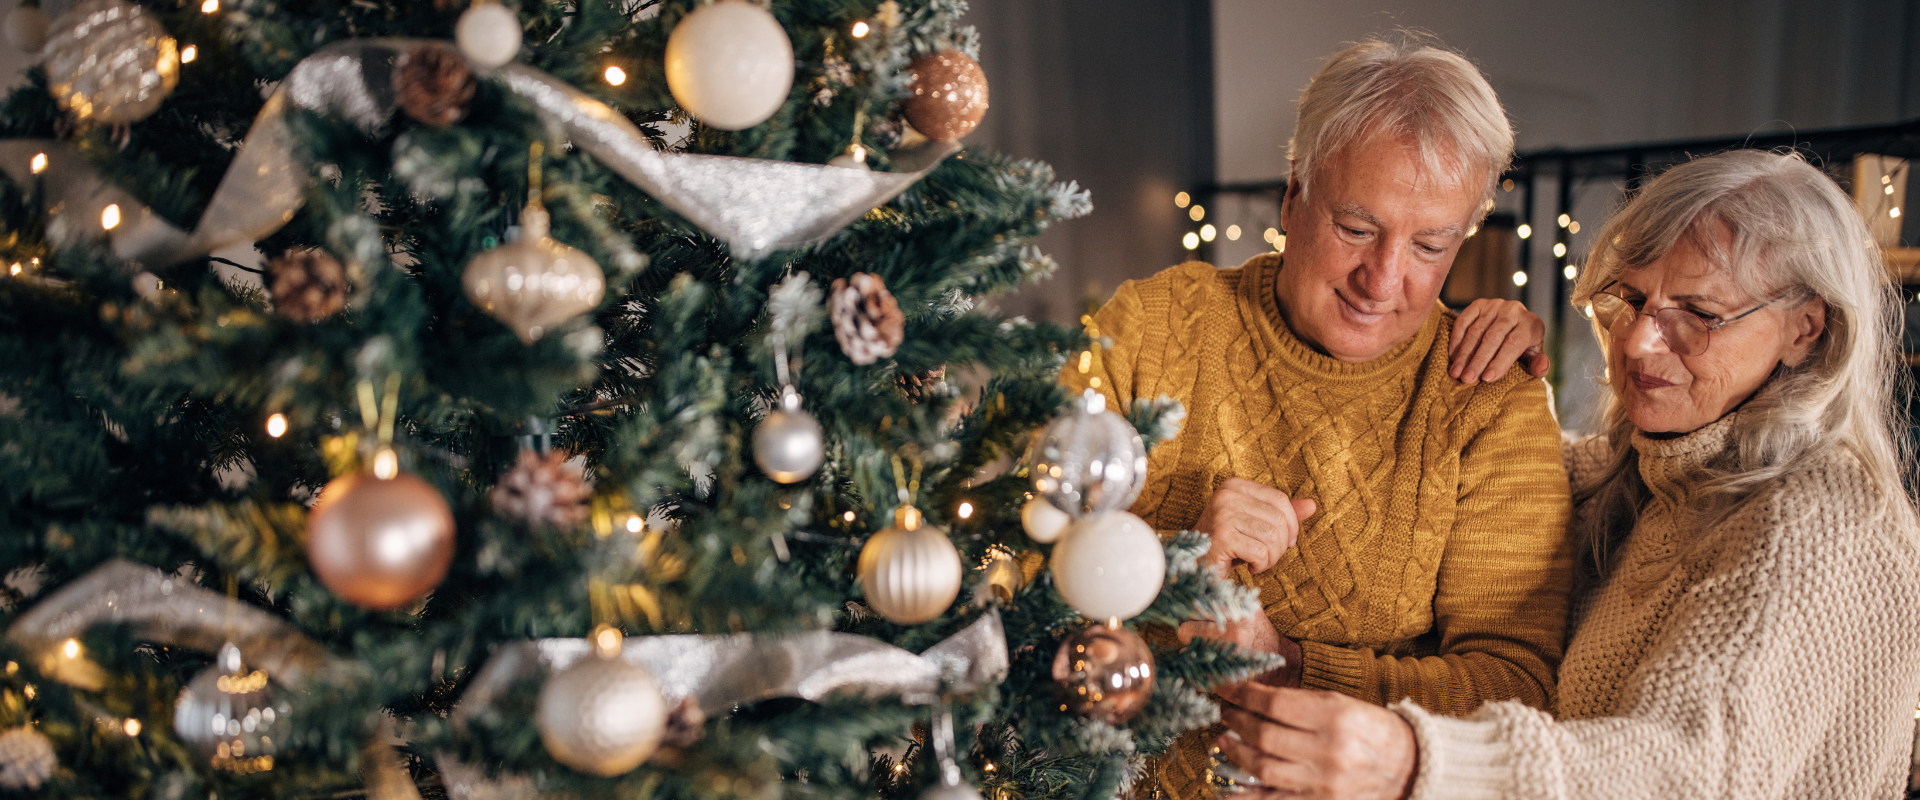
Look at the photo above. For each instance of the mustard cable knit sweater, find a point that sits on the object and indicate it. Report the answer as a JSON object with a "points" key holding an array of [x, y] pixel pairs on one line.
{"points": [[1776, 654], [1436, 568]]}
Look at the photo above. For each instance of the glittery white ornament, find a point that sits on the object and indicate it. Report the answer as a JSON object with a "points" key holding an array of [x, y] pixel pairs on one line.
{"points": [[730, 64], [27, 28], [1090, 460], [535, 284], [488, 34], [26, 759], [910, 572], [230, 715], [1043, 522], [1109, 566], [602, 716], [789, 443], [110, 61]]}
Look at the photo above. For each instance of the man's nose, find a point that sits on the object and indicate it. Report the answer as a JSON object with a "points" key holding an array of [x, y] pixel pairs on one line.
{"points": [[1379, 277]]}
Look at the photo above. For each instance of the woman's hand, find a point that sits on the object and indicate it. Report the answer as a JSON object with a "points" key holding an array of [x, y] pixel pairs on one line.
{"points": [[1491, 336], [1303, 743]]}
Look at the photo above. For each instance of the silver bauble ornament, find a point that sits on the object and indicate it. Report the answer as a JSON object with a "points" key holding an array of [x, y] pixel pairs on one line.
{"points": [[602, 716], [380, 544], [488, 34], [789, 443], [1042, 521], [910, 572], [230, 715], [1109, 566], [1090, 460], [110, 61], [26, 759], [27, 28], [534, 284], [730, 64]]}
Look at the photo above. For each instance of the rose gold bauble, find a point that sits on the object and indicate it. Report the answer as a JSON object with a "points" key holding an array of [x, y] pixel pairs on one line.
{"points": [[380, 544], [1105, 673], [949, 95]]}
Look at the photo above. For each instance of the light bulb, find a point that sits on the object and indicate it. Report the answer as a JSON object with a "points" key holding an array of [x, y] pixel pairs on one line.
{"points": [[1181, 200], [966, 510], [634, 523], [860, 29], [1559, 250], [132, 727], [1207, 232], [1525, 231], [189, 53], [1233, 233], [1573, 227], [1197, 213], [210, 6], [1270, 235], [386, 464], [1571, 272], [1191, 241], [1564, 219], [110, 216], [616, 76], [277, 425], [1519, 279], [39, 163]]}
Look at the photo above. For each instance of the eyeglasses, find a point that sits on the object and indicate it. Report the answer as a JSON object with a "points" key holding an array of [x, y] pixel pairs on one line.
{"points": [[1685, 332]]}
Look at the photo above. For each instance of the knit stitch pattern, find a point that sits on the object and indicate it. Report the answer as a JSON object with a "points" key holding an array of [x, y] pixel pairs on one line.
{"points": [[1772, 654], [1436, 568]]}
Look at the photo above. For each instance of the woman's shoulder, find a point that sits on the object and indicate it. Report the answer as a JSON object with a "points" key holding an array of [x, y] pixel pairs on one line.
{"points": [[1828, 508]]}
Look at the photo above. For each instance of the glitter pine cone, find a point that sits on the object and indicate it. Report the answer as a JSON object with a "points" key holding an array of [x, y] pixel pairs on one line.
{"points": [[866, 319], [307, 285], [433, 85], [543, 490]]}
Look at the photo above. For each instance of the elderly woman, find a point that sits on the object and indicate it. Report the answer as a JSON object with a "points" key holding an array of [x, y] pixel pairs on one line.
{"points": [[1750, 622]]}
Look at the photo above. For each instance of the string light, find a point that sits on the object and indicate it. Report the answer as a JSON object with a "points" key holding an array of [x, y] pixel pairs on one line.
{"points": [[1894, 212], [1519, 279], [1207, 232], [132, 727], [39, 163], [1191, 241], [210, 6], [110, 216], [71, 649], [1889, 189], [1573, 227], [386, 464], [189, 53], [1564, 220], [860, 29], [966, 510], [1270, 235], [1506, 185], [1233, 233], [277, 425], [1197, 213], [1588, 310], [1559, 250], [634, 523], [15, 269], [1280, 244], [1181, 200], [1525, 231], [1570, 271], [616, 76], [847, 516]]}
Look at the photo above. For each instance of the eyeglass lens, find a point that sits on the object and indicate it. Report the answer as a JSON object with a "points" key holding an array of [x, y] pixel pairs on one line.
{"points": [[1683, 332]]}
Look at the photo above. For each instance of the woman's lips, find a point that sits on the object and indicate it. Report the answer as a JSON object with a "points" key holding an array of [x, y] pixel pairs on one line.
{"points": [[1647, 382]]}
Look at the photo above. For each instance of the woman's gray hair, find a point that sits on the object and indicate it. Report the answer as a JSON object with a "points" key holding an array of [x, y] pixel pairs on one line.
{"points": [[1777, 226], [1433, 98]]}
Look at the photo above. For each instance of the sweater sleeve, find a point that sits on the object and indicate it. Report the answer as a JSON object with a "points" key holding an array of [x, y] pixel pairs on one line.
{"points": [[1788, 671], [1500, 597]]}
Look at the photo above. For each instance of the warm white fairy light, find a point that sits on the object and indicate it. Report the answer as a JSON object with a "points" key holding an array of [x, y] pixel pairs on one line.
{"points": [[189, 53], [1207, 232], [132, 727], [71, 649], [1181, 200], [39, 163], [277, 425], [1525, 231], [1564, 220], [1570, 271], [386, 464], [634, 523], [1280, 244], [1191, 241], [1233, 233], [1573, 227], [966, 510], [1197, 213], [1270, 235], [1519, 279], [110, 216], [860, 29], [616, 76], [1559, 250], [210, 6]]}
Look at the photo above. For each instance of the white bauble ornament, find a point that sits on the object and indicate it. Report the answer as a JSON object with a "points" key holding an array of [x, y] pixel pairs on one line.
{"points": [[602, 716], [27, 28], [909, 572], [789, 443], [730, 64], [488, 34], [1109, 566], [26, 759], [110, 61], [230, 715], [1044, 522], [958, 791], [1090, 460], [535, 284]]}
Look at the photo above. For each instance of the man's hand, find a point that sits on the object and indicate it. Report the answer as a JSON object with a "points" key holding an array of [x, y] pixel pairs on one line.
{"points": [[1303, 743], [1252, 523], [1491, 336], [1254, 633]]}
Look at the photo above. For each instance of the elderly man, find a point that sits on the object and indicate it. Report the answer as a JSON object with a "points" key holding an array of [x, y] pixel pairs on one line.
{"points": [[1406, 530]]}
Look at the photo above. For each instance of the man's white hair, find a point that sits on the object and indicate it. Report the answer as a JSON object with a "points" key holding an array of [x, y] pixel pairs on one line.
{"points": [[1432, 99]]}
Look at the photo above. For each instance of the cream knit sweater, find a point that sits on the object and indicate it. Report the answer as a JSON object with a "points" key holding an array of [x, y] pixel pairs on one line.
{"points": [[1777, 656]]}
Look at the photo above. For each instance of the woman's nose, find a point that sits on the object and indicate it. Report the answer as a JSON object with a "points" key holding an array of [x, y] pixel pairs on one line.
{"points": [[1644, 336]]}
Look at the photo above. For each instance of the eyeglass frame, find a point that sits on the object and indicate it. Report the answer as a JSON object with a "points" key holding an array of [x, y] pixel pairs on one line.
{"points": [[1707, 327]]}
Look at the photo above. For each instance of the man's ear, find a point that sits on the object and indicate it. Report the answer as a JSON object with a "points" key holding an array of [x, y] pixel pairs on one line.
{"points": [[1806, 322], [1292, 196]]}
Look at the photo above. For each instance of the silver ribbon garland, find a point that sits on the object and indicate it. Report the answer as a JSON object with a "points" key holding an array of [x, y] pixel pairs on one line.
{"points": [[754, 205], [717, 671]]}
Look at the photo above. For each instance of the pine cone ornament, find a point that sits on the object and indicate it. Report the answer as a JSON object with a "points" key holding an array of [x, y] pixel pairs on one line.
{"points": [[917, 387], [433, 85], [26, 759], [866, 319], [543, 490], [307, 285]]}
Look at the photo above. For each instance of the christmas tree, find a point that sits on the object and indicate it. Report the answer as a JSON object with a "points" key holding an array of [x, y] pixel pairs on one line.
{"points": [[587, 432]]}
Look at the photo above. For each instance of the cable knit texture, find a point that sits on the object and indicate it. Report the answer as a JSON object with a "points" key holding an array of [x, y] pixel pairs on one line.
{"points": [[1774, 654], [1436, 568]]}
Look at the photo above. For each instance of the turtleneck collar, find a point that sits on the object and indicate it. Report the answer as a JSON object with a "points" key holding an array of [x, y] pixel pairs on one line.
{"points": [[1276, 340], [1671, 466]]}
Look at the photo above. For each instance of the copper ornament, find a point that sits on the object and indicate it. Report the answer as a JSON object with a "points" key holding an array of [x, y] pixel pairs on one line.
{"points": [[949, 96], [433, 85], [1105, 673], [380, 544]]}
